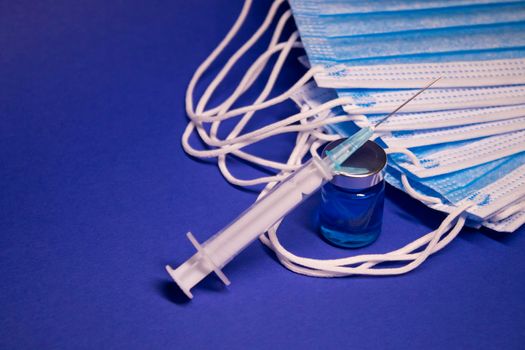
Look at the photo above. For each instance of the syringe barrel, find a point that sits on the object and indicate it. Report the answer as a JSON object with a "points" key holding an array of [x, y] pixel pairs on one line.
{"points": [[257, 219], [264, 213]]}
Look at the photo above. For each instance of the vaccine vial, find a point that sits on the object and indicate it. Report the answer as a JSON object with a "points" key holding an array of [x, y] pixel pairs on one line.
{"points": [[351, 212]]}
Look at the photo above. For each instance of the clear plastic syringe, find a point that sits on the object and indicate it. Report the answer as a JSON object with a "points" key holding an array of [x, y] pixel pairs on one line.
{"points": [[222, 247]]}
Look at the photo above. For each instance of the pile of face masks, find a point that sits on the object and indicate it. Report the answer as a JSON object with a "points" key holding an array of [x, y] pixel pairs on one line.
{"points": [[461, 142], [458, 147]]}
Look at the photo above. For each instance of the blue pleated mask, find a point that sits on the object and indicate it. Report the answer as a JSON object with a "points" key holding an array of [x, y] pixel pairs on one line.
{"points": [[331, 7], [356, 40]]}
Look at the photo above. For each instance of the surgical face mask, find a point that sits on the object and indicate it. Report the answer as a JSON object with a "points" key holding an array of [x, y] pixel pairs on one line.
{"points": [[359, 49], [436, 136], [314, 96], [330, 7], [409, 75], [447, 118], [351, 24], [509, 223], [396, 45], [460, 185], [418, 138], [448, 158], [491, 186], [374, 102]]}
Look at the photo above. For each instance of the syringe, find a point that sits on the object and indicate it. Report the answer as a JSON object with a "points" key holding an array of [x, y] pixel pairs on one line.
{"points": [[222, 247]]}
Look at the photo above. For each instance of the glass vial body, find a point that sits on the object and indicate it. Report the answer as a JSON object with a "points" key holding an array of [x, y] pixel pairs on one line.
{"points": [[351, 218], [351, 212]]}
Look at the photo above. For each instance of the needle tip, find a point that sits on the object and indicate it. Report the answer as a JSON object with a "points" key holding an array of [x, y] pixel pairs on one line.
{"points": [[407, 101]]}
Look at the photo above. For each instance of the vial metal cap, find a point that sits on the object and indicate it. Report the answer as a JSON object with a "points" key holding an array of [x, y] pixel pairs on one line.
{"points": [[363, 169]]}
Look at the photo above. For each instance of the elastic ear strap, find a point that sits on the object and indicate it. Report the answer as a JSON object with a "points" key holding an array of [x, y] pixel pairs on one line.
{"points": [[239, 53], [197, 120], [268, 130], [336, 268], [247, 117], [253, 73], [419, 196], [249, 78], [215, 53], [413, 158], [211, 117]]}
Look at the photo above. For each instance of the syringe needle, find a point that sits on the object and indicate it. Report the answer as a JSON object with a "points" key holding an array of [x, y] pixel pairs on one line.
{"points": [[345, 149], [407, 101]]}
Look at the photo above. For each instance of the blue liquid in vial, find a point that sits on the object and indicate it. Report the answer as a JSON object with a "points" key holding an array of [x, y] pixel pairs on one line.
{"points": [[351, 218]]}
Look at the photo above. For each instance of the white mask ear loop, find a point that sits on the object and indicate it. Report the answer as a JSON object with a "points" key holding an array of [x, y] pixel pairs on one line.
{"points": [[262, 133], [419, 196], [245, 47], [215, 53], [404, 179], [209, 117], [256, 66], [270, 128], [245, 119], [285, 17], [229, 64], [299, 144], [368, 261], [309, 129], [413, 158], [233, 60], [333, 268], [200, 129], [249, 78], [267, 131]]}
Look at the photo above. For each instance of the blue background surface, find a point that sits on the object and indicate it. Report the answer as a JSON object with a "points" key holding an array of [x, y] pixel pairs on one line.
{"points": [[97, 195]]}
